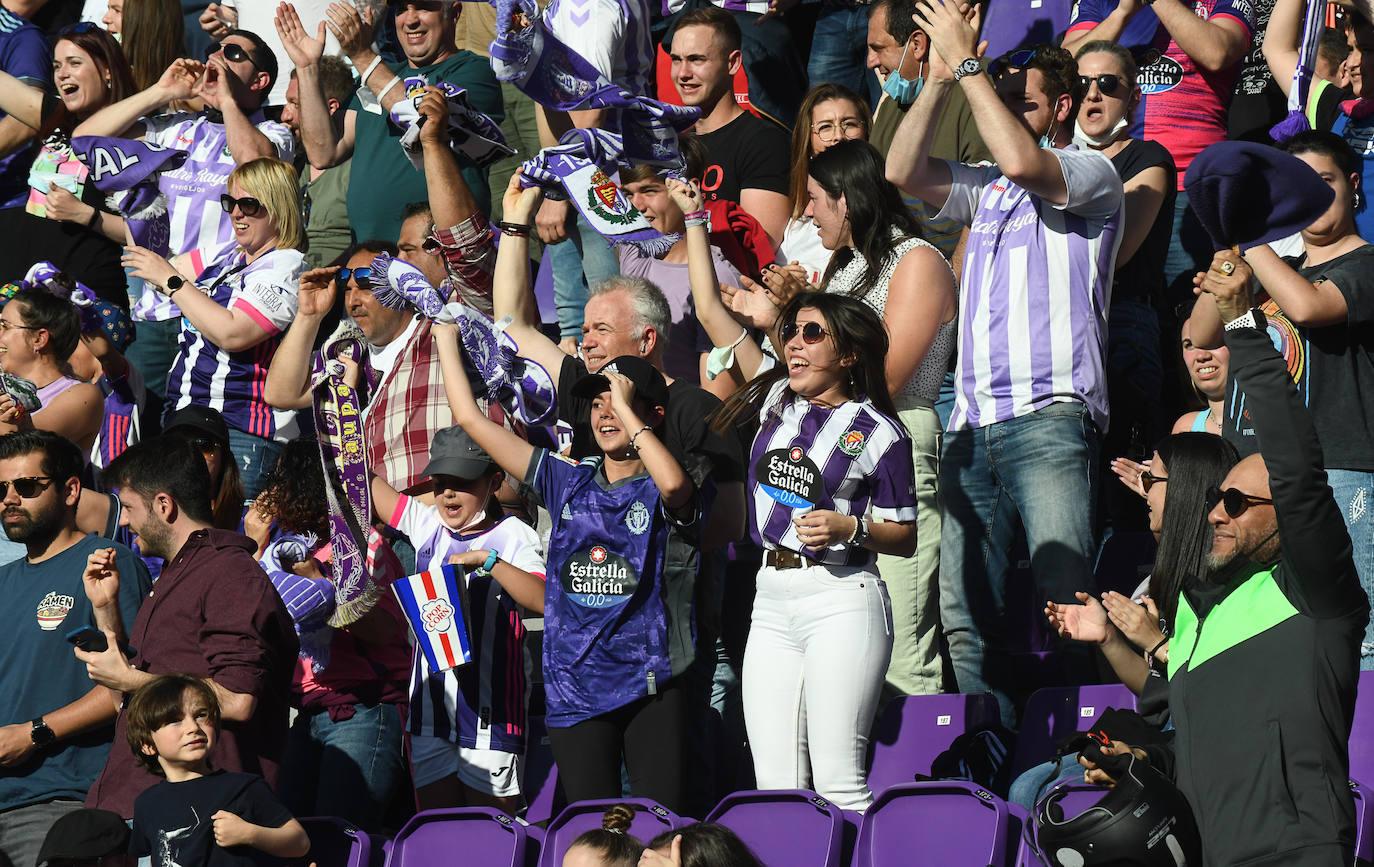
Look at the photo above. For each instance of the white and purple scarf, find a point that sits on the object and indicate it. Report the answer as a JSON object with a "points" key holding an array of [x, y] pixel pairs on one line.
{"points": [[126, 171]]}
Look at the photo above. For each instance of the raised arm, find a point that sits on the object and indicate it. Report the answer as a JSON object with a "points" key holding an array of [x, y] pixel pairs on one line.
{"points": [[509, 451], [1303, 302], [1280, 46], [1214, 44], [909, 163], [227, 92], [1144, 196], [1109, 28], [323, 143], [450, 200], [512, 294], [674, 486], [288, 376], [30, 105], [180, 81]]}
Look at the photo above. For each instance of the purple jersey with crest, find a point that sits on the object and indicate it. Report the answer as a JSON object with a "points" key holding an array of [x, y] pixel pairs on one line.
{"points": [[615, 629], [851, 459]]}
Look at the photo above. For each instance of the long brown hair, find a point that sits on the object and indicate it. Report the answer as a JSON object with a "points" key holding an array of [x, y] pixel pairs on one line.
{"points": [[152, 32], [107, 55], [801, 137], [857, 332]]}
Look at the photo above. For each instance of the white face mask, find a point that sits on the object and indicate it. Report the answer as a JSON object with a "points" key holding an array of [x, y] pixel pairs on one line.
{"points": [[1083, 140]]}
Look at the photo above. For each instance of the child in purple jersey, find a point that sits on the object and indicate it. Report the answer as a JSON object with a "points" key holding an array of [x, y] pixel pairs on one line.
{"points": [[467, 726], [618, 627]]}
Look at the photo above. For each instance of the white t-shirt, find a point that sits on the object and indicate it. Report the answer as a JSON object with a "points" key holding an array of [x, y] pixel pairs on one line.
{"points": [[801, 242]]}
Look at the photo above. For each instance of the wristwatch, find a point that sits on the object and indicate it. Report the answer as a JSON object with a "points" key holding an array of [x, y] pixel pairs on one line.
{"points": [[174, 283], [970, 66], [41, 735], [860, 537], [1253, 318]]}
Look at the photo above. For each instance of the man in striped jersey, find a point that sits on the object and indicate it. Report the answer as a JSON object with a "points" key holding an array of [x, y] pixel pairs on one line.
{"points": [[1031, 393]]}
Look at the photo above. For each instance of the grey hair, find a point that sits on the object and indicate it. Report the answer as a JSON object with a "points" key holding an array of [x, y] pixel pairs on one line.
{"points": [[646, 299]]}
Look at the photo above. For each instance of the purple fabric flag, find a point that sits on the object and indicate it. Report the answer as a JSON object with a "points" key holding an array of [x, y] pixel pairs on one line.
{"points": [[127, 171]]}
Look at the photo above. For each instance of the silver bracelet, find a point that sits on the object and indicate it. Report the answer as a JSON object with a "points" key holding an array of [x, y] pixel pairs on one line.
{"points": [[635, 435]]}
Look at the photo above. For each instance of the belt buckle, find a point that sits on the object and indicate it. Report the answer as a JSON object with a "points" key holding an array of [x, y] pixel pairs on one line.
{"points": [[784, 559]]}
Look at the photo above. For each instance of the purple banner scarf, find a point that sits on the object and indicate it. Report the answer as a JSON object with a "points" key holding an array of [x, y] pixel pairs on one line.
{"points": [[127, 171], [471, 133]]}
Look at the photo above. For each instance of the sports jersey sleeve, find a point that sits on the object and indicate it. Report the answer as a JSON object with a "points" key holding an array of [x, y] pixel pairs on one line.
{"points": [[523, 548], [281, 138], [29, 59], [414, 520], [162, 129], [268, 297], [1094, 187], [1090, 14], [893, 482], [547, 478], [1240, 11], [965, 188]]}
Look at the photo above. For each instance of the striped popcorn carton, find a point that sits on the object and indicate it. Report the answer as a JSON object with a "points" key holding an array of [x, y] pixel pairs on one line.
{"points": [[436, 604]]}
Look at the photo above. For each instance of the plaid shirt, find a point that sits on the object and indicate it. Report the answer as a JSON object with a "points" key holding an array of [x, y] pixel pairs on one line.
{"points": [[409, 405]]}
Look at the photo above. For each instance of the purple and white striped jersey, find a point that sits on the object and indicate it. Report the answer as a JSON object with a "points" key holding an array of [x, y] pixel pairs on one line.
{"points": [[233, 382], [613, 36], [1037, 283], [193, 190], [851, 459], [480, 706]]}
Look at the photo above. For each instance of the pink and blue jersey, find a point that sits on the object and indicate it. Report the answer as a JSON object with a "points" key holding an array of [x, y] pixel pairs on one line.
{"points": [[482, 705], [1182, 107], [233, 382]]}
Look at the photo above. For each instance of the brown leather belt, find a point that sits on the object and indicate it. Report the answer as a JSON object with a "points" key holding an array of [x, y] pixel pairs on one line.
{"points": [[780, 559]]}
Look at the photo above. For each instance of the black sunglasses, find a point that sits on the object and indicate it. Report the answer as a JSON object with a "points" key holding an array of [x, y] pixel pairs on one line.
{"points": [[1235, 502], [27, 487], [359, 274], [1107, 83], [1149, 480], [432, 246], [233, 52], [811, 332], [248, 206]]}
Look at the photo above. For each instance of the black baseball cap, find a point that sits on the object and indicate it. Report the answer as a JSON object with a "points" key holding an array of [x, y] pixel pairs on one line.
{"points": [[200, 418], [83, 834], [649, 383], [454, 453]]}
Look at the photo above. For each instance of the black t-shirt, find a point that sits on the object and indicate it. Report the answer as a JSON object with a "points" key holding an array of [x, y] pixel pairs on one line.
{"points": [[1333, 366], [701, 451], [1329, 105], [172, 820], [1142, 278], [748, 153], [1257, 102]]}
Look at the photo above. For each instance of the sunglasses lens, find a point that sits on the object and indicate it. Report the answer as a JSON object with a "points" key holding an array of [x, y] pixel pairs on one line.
{"points": [[789, 331], [1108, 84], [249, 206], [813, 333], [26, 488], [227, 203], [205, 445]]}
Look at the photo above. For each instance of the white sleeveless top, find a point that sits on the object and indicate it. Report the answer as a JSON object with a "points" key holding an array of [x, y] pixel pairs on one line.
{"points": [[925, 382]]}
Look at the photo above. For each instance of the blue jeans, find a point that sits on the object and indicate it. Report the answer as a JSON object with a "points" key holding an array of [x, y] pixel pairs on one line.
{"points": [[839, 48], [256, 456], [348, 768], [1035, 782], [1355, 495], [1042, 467], [583, 260]]}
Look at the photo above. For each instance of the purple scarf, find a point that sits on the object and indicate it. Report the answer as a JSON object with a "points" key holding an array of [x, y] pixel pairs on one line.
{"points": [[127, 171]]}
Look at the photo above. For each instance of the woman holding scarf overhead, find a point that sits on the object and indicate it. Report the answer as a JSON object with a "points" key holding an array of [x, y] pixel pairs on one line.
{"points": [[832, 485], [234, 312]]}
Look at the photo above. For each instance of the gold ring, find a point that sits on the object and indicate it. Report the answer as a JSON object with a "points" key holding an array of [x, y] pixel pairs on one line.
{"points": [[1228, 268]]}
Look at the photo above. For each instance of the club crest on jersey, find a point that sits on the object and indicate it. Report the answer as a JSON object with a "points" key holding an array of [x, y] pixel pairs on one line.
{"points": [[598, 578], [52, 610], [790, 477], [853, 443], [637, 520]]}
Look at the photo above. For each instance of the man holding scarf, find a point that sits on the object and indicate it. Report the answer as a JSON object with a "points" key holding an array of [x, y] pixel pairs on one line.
{"points": [[383, 180]]}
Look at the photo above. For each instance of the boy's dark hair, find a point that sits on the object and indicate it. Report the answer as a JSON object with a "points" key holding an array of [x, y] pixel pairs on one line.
{"points": [[722, 22], [157, 703], [263, 57], [1327, 144], [61, 461], [1333, 47], [168, 465], [39, 308], [1059, 68], [693, 155]]}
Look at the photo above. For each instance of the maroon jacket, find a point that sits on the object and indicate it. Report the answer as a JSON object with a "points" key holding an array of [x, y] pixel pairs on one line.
{"points": [[212, 613]]}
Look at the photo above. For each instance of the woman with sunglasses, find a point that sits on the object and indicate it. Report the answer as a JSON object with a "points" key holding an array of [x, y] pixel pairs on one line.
{"points": [[234, 312], [63, 220], [830, 113], [831, 486]]}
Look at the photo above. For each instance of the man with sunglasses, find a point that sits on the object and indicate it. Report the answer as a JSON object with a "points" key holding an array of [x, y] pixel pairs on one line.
{"points": [[44, 769], [1264, 659], [1030, 382], [233, 81]]}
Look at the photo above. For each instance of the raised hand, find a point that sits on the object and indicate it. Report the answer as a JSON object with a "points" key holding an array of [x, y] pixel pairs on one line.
{"points": [[182, 79], [519, 204], [433, 109], [352, 28], [301, 47], [1131, 473], [686, 195], [101, 578], [1086, 622], [1139, 623], [315, 293], [753, 305]]}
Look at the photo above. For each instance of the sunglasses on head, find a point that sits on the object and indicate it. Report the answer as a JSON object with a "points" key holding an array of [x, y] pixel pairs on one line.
{"points": [[1019, 59], [79, 28], [359, 274], [1234, 501], [811, 332], [233, 52], [1149, 480], [1107, 83], [27, 487], [248, 206]]}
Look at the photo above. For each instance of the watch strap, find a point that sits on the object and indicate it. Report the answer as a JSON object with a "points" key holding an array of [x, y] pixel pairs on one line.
{"points": [[40, 733], [969, 66], [1253, 318]]}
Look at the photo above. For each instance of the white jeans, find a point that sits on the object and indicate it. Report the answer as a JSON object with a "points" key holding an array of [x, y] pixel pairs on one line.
{"points": [[813, 670]]}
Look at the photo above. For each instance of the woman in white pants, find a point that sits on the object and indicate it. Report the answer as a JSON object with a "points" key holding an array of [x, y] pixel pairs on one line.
{"points": [[831, 486]]}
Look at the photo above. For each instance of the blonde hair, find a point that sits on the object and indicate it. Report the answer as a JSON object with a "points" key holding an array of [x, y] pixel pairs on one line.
{"points": [[274, 184]]}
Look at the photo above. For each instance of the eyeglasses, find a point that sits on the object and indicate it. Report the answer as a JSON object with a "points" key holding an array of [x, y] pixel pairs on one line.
{"points": [[359, 274], [830, 132], [1107, 83], [233, 52], [248, 206], [1149, 480], [27, 487], [1236, 502], [811, 332], [6, 325]]}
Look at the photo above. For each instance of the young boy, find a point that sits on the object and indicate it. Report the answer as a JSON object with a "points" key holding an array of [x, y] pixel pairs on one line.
{"points": [[199, 816]]}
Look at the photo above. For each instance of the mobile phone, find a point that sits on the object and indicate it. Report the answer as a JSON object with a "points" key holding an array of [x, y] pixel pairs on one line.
{"points": [[89, 639]]}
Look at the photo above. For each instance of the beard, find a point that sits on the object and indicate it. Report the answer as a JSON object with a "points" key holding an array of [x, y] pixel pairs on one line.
{"points": [[34, 528], [155, 539]]}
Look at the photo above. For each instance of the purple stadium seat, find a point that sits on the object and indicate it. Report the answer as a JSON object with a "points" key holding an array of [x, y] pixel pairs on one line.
{"points": [[950, 823], [650, 820], [1362, 733], [480, 835], [913, 730], [1364, 822], [333, 843], [793, 826], [1055, 713], [1020, 846], [1014, 23]]}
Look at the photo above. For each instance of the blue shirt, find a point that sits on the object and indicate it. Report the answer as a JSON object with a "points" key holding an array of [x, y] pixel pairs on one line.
{"points": [[39, 673]]}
